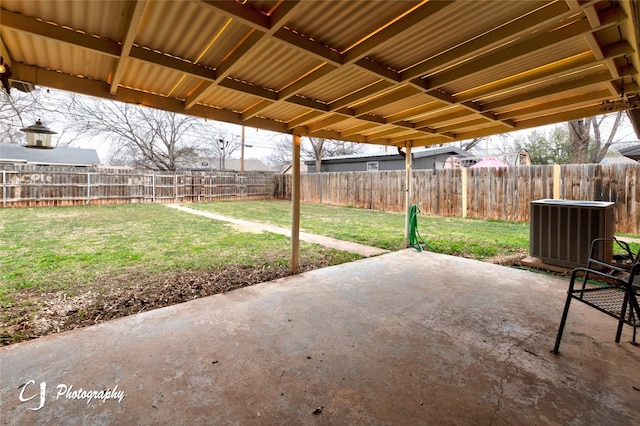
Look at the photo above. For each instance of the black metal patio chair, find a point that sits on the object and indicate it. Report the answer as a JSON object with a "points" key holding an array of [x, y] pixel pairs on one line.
{"points": [[611, 288]]}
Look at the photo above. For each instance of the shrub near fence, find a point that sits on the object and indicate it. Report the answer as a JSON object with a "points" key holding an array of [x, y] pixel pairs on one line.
{"points": [[32, 186], [490, 193]]}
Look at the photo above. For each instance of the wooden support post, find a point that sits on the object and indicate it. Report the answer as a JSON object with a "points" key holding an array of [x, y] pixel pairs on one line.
{"points": [[295, 206], [464, 191], [242, 153], [556, 181], [408, 184]]}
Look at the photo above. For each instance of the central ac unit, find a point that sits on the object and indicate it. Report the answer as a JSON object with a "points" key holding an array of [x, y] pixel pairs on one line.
{"points": [[562, 231]]}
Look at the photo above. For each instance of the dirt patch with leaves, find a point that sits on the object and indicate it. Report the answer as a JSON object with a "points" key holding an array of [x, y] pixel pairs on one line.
{"points": [[34, 315]]}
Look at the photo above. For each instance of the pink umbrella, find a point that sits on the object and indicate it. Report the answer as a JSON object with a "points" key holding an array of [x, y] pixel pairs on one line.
{"points": [[489, 162]]}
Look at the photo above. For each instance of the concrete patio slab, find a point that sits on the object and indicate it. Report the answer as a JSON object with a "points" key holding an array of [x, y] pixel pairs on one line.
{"points": [[405, 338]]}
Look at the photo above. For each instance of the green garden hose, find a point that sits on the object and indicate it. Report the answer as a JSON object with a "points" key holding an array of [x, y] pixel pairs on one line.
{"points": [[415, 240]]}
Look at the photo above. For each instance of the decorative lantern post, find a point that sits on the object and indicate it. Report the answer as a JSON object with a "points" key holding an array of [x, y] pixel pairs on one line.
{"points": [[38, 136]]}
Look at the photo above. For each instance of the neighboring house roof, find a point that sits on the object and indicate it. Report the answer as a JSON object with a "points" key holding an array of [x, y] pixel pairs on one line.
{"points": [[632, 152], [60, 156], [287, 170], [490, 162], [361, 157], [617, 160], [230, 164]]}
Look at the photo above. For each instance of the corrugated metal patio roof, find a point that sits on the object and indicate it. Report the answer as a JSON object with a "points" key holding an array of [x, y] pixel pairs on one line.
{"points": [[632, 152], [423, 72]]}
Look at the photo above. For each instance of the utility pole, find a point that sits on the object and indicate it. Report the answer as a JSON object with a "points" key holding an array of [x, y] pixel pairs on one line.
{"points": [[222, 153]]}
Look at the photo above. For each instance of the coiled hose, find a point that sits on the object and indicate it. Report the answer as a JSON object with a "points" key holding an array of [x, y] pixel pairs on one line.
{"points": [[415, 240]]}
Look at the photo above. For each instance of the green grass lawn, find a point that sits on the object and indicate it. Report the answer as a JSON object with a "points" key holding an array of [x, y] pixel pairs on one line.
{"points": [[64, 248], [474, 238]]}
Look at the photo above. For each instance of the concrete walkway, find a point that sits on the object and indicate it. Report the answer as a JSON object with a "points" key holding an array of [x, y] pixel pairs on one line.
{"points": [[248, 226], [629, 239], [405, 338]]}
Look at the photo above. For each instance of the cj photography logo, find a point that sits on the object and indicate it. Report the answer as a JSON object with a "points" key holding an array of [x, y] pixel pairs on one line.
{"points": [[37, 394]]}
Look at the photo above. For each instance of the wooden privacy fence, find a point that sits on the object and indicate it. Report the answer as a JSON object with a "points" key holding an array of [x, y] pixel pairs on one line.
{"points": [[483, 193], [49, 186]]}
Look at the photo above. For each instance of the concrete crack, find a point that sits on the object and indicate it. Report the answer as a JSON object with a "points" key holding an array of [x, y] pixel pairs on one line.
{"points": [[502, 380]]}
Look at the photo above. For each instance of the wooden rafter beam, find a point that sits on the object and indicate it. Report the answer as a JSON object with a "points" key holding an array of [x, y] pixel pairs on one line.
{"points": [[102, 46], [391, 33], [133, 22], [395, 95], [571, 65], [241, 13], [305, 119], [515, 50], [30, 25], [541, 13], [262, 28], [357, 54], [540, 16], [598, 51], [587, 98], [99, 89], [457, 127], [357, 129], [560, 87]]}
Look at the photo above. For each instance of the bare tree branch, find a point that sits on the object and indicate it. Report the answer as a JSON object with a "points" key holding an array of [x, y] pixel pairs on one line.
{"points": [[144, 137]]}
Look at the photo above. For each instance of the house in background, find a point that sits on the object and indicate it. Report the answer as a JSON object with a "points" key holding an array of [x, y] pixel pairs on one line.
{"points": [[288, 169], [431, 158], [59, 156], [632, 152], [213, 164]]}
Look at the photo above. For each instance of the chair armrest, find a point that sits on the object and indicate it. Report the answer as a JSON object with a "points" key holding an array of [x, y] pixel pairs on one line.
{"points": [[587, 272]]}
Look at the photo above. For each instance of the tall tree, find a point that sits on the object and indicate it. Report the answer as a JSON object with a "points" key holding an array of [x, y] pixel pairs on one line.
{"points": [[142, 137], [312, 149], [587, 147], [280, 155], [545, 148], [319, 148]]}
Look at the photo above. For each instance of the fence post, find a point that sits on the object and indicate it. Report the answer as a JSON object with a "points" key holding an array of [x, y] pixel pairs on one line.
{"points": [[464, 192], [556, 181], [4, 189], [175, 186], [88, 188], [153, 188]]}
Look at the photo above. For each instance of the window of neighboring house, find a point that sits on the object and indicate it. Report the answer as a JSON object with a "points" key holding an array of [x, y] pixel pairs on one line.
{"points": [[205, 164], [372, 166]]}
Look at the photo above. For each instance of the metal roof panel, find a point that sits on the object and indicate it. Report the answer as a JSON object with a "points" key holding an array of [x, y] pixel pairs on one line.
{"points": [[221, 60]]}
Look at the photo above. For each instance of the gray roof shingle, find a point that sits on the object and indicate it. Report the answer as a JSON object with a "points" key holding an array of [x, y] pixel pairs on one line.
{"points": [[13, 153]]}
